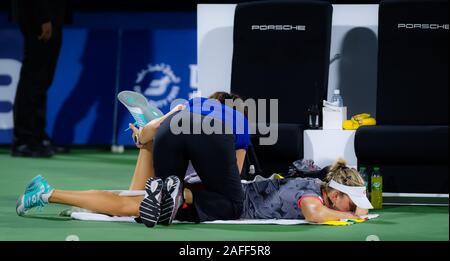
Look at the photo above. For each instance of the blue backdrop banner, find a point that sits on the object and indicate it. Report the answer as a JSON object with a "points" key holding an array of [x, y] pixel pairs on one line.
{"points": [[152, 53]]}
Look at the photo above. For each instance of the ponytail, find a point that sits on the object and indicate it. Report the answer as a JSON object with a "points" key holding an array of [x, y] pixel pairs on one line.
{"points": [[340, 173]]}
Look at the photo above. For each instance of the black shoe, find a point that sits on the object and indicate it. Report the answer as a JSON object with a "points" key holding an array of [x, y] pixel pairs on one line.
{"points": [[47, 145], [61, 149], [171, 201], [150, 208], [55, 148], [33, 151]]}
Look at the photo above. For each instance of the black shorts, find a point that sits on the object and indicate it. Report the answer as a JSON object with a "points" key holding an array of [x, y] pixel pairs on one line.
{"points": [[213, 156]]}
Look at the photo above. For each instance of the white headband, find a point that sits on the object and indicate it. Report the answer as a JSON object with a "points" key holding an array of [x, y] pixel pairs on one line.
{"points": [[356, 194], [350, 190]]}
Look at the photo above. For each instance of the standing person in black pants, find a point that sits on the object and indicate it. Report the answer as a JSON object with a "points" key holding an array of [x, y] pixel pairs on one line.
{"points": [[41, 23]]}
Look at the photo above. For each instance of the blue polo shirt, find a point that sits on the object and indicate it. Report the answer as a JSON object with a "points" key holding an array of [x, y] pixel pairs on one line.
{"points": [[231, 117]]}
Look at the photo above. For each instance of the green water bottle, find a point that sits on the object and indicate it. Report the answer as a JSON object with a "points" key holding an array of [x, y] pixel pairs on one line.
{"points": [[377, 189]]}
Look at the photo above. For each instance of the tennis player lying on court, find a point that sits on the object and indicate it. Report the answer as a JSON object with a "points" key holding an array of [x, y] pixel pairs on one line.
{"points": [[341, 195], [218, 164]]}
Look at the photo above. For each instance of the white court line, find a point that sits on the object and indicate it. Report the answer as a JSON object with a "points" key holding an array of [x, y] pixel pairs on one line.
{"points": [[414, 195]]}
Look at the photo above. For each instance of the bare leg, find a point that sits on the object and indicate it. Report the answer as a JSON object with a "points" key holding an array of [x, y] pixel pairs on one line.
{"points": [[99, 201], [144, 168], [188, 196], [144, 165], [107, 202]]}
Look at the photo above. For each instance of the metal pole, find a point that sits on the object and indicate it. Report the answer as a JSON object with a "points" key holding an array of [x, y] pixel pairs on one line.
{"points": [[115, 148]]}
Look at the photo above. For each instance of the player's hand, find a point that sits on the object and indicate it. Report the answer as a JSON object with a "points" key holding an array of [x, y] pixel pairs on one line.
{"points": [[46, 33], [361, 212], [145, 135], [136, 135], [179, 107], [349, 215], [148, 132]]}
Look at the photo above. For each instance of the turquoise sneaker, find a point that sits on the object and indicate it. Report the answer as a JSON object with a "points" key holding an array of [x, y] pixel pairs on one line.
{"points": [[34, 182], [139, 107], [33, 195]]}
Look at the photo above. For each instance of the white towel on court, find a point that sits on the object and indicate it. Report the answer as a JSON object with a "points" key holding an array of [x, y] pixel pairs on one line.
{"points": [[100, 217], [86, 215]]}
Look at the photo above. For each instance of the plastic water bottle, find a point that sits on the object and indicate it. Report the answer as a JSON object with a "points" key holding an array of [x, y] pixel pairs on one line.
{"points": [[337, 98], [377, 189], [365, 177]]}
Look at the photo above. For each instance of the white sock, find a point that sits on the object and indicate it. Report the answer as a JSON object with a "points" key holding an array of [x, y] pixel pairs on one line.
{"points": [[46, 196]]}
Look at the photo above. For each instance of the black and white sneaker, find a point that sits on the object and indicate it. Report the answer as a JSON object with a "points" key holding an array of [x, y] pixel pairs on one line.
{"points": [[171, 201], [150, 208]]}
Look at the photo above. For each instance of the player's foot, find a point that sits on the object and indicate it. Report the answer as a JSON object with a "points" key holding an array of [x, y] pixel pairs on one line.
{"points": [[139, 107], [172, 200], [36, 194], [150, 208]]}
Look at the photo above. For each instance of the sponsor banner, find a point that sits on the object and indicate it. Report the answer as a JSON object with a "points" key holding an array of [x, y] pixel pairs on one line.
{"points": [[158, 60], [10, 64], [160, 65]]}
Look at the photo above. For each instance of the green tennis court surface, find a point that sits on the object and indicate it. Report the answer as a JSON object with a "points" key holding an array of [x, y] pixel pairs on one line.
{"points": [[93, 169]]}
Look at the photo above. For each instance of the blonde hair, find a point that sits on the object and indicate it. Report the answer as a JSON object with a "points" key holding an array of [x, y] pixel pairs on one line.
{"points": [[342, 174]]}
